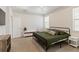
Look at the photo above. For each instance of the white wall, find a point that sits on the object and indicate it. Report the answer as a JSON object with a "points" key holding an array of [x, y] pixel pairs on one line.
{"points": [[62, 18], [30, 21], [4, 28]]}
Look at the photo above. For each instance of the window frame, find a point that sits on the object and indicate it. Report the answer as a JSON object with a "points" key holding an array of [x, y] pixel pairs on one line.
{"points": [[74, 20], [46, 18]]}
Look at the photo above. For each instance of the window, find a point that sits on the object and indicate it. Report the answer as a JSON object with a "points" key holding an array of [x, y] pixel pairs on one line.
{"points": [[76, 19], [47, 22]]}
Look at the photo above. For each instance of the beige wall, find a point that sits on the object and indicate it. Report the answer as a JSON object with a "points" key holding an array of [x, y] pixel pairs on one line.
{"points": [[62, 18]]}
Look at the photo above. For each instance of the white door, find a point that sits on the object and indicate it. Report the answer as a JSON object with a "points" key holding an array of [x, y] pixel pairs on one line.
{"points": [[16, 26]]}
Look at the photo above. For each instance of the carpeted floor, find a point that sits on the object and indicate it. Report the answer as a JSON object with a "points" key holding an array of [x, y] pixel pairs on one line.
{"points": [[30, 45]]}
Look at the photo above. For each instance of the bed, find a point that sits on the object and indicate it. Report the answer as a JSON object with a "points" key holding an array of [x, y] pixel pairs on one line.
{"points": [[52, 36]]}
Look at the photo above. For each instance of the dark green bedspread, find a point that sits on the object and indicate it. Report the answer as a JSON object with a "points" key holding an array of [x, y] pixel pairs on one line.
{"points": [[52, 38]]}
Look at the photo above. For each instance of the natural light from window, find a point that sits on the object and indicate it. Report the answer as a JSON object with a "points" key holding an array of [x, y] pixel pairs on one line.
{"points": [[76, 19], [47, 22]]}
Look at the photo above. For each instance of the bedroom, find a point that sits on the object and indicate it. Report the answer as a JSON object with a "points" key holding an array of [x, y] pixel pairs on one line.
{"points": [[35, 19]]}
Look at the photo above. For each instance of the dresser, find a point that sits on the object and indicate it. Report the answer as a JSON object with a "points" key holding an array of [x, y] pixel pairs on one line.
{"points": [[5, 43], [74, 41]]}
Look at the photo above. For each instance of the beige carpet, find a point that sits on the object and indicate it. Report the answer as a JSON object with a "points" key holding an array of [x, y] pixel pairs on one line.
{"points": [[25, 45], [30, 45]]}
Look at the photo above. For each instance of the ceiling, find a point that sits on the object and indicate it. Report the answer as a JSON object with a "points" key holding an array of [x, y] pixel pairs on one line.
{"points": [[41, 10]]}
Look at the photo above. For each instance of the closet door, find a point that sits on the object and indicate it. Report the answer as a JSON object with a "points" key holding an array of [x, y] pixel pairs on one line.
{"points": [[16, 26]]}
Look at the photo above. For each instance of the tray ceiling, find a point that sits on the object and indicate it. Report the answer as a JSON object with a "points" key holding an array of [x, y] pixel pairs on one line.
{"points": [[42, 10]]}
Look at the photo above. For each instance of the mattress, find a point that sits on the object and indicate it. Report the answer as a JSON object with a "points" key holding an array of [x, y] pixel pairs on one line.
{"points": [[51, 38]]}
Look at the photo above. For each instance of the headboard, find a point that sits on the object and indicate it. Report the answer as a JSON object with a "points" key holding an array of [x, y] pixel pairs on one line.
{"points": [[67, 30]]}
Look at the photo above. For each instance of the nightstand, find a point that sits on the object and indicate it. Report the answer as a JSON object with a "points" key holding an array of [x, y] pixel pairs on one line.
{"points": [[74, 41], [28, 34]]}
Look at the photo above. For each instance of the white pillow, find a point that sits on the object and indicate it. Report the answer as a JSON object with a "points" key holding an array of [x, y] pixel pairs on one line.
{"points": [[51, 32]]}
